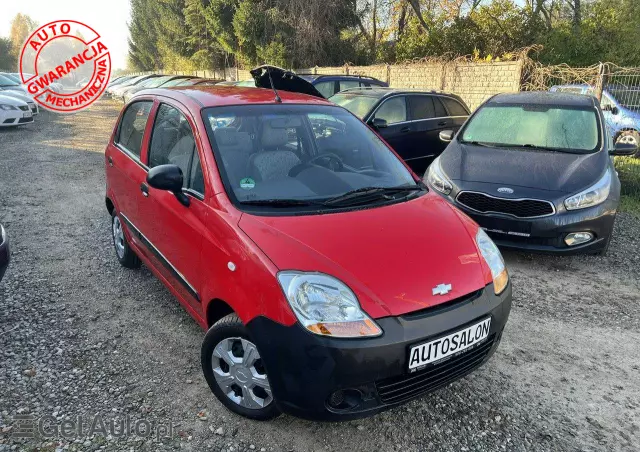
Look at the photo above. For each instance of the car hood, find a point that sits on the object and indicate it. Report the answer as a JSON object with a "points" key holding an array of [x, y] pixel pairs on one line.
{"points": [[13, 101], [552, 171], [18, 95], [283, 80], [391, 257]]}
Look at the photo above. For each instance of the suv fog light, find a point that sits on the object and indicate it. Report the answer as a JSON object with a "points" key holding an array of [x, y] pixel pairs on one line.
{"points": [[345, 399], [577, 238]]}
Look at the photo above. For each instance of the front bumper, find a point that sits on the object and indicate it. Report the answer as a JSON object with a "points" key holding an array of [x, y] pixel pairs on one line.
{"points": [[5, 255], [305, 369], [547, 234]]}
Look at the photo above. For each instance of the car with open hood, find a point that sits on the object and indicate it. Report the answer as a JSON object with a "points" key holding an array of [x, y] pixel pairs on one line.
{"points": [[534, 169], [332, 282]]}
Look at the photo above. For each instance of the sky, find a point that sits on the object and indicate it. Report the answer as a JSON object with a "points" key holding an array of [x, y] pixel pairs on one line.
{"points": [[109, 19]]}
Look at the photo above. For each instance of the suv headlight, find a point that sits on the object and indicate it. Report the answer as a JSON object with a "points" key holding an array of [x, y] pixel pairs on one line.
{"points": [[437, 179], [493, 258], [325, 305], [592, 196], [7, 107]]}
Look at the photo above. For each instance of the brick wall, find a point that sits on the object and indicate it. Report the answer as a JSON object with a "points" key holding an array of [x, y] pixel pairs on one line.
{"points": [[474, 82]]}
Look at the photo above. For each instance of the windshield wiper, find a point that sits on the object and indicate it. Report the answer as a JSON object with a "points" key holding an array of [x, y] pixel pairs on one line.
{"points": [[281, 202], [480, 143], [541, 148], [365, 193]]}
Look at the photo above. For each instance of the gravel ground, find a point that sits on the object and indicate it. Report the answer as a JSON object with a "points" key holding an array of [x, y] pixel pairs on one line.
{"points": [[79, 335]]}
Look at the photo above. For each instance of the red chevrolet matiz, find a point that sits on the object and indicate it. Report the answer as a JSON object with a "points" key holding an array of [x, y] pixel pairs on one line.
{"points": [[331, 282]]}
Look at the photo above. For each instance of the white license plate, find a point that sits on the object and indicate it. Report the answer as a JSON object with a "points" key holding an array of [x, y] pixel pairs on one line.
{"points": [[26, 114], [452, 344]]}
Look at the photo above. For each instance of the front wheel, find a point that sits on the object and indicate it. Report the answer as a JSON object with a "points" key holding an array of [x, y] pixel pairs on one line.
{"points": [[235, 372]]}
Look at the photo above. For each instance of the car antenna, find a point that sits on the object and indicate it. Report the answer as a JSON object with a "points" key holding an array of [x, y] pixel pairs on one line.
{"points": [[275, 91]]}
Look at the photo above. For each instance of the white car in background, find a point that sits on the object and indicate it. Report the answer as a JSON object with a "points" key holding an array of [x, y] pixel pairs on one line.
{"points": [[23, 97], [55, 86], [14, 112]]}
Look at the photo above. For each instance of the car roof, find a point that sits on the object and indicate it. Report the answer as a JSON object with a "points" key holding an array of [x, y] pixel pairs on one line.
{"points": [[544, 98], [333, 77], [381, 91], [220, 95]]}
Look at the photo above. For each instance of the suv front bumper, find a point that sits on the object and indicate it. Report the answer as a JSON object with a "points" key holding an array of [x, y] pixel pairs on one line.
{"points": [[310, 375]]}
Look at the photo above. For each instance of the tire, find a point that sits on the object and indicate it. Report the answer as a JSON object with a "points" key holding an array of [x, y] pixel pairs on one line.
{"points": [[243, 387], [124, 253], [630, 136]]}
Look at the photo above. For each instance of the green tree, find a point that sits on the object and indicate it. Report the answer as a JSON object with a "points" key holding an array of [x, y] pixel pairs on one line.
{"points": [[143, 38], [8, 61]]}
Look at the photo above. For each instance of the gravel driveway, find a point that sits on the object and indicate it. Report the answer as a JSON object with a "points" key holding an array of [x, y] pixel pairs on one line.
{"points": [[79, 335]]}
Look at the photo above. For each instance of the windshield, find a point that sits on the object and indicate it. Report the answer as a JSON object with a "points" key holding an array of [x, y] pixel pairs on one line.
{"points": [[174, 82], [357, 104], [6, 81], [628, 98], [556, 128], [156, 81], [298, 152], [12, 78]]}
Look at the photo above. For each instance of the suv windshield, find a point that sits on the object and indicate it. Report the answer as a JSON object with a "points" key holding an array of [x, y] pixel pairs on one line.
{"points": [[557, 128], [297, 154], [358, 104]]}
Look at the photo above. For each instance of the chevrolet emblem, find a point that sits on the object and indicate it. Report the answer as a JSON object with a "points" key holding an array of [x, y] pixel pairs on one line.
{"points": [[441, 289]]}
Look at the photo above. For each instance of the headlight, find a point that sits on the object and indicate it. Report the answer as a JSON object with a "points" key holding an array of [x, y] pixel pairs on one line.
{"points": [[437, 179], [592, 196], [493, 258], [326, 306], [7, 107]]}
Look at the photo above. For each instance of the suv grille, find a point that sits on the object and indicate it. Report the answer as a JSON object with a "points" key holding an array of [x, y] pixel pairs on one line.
{"points": [[396, 389], [24, 107], [521, 208]]}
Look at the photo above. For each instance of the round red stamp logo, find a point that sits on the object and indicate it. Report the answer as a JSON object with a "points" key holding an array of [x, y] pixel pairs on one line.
{"points": [[65, 65]]}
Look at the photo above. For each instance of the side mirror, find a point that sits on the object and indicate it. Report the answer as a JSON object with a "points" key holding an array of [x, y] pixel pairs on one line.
{"points": [[378, 123], [624, 149], [169, 178], [446, 136]]}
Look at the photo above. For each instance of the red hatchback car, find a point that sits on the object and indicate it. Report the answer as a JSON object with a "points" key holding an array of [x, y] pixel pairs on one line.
{"points": [[331, 282]]}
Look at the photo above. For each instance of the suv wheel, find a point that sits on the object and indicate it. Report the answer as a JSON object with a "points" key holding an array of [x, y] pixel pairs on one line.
{"points": [[124, 253], [234, 370]]}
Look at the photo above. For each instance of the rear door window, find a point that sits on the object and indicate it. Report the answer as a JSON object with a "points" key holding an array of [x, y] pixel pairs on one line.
{"points": [[439, 109], [172, 142], [132, 125], [454, 107], [421, 107]]}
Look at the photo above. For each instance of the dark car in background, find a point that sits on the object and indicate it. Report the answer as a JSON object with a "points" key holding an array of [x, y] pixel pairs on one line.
{"points": [[534, 170], [410, 121], [4, 252], [328, 85]]}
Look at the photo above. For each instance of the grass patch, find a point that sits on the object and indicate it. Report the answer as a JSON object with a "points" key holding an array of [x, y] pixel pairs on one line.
{"points": [[629, 172], [630, 204]]}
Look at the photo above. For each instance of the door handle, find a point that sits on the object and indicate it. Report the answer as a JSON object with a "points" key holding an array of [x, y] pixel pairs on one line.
{"points": [[405, 129], [144, 188], [110, 161], [442, 123]]}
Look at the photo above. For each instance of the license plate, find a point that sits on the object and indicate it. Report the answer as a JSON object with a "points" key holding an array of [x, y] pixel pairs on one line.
{"points": [[504, 226], [452, 344], [26, 114]]}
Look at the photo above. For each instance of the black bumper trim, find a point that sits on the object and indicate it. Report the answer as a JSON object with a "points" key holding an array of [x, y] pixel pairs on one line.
{"points": [[305, 369]]}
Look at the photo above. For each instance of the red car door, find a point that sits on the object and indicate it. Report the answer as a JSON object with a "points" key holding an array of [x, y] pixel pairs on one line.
{"points": [[125, 170], [174, 231]]}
